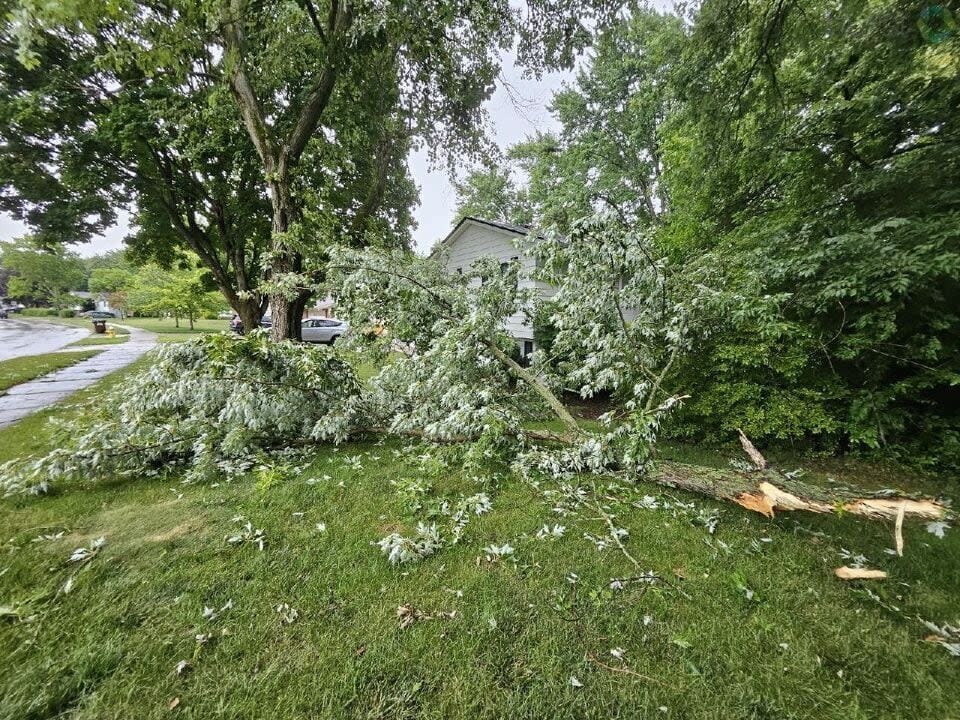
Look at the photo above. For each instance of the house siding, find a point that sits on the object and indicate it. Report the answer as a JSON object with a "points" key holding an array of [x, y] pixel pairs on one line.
{"points": [[473, 241]]}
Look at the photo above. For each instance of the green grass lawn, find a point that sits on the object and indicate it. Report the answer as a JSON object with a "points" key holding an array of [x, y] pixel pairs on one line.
{"points": [[751, 623], [157, 325], [20, 370], [167, 325], [103, 340]]}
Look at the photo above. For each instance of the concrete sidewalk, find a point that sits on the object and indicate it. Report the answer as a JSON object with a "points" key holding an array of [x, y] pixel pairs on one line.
{"points": [[26, 398]]}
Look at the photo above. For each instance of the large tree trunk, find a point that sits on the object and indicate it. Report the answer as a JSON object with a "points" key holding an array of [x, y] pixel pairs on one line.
{"points": [[286, 313], [767, 492], [249, 312]]}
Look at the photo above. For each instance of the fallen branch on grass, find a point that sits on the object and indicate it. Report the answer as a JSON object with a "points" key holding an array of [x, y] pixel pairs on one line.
{"points": [[625, 671], [771, 492]]}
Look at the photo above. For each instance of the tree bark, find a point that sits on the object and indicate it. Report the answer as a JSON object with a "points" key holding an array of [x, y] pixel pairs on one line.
{"points": [[249, 312], [286, 312], [280, 155], [767, 492], [542, 390]]}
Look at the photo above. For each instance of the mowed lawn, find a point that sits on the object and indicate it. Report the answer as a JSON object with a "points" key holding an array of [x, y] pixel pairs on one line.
{"points": [[168, 325], [103, 340], [749, 623], [153, 324], [21, 369]]}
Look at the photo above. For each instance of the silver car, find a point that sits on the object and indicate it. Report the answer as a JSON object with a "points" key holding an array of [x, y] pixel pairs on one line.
{"points": [[322, 330]]}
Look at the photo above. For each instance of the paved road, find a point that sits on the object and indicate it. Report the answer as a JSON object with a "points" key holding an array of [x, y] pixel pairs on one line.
{"points": [[22, 337], [26, 398]]}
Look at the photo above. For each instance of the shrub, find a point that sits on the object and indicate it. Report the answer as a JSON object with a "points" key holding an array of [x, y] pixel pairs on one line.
{"points": [[67, 313], [38, 312]]}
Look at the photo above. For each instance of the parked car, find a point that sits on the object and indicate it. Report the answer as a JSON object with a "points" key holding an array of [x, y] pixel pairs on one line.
{"points": [[322, 330], [225, 315], [98, 314]]}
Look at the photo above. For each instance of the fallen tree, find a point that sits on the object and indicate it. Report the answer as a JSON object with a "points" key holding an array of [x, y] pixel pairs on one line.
{"points": [[769, 492], [221, 405]]}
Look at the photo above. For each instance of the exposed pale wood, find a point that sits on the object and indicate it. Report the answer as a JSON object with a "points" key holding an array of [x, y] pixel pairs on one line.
{"points": [[850, 573], [758, 459], [767, 492]]}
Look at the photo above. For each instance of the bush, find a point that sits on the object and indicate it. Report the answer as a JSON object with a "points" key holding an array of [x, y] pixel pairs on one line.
{"points": [[68, 313], [39, 312]]}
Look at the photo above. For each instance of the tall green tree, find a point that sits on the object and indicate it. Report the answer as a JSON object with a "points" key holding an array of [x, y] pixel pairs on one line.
{"points": [[101, 116], [815, 163], [41, 276], [493, 195], [328, 94], [801, 161], [609, 149], [89, 127]]}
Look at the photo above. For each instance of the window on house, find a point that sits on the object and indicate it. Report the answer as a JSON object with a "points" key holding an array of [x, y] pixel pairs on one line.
{"points": [[459, 271], [527, 348], [504, 267]]}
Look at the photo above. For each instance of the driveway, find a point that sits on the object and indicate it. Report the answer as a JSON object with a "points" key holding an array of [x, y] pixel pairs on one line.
{"points": [[19, 337], [26, 398]]}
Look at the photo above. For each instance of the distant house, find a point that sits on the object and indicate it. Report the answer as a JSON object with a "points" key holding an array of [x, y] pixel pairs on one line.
{"points": [[320, 309], [474, 238], [98, 299]]}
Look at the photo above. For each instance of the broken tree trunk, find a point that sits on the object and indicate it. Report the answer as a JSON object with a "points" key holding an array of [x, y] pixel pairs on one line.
{"points": [[765, 492]]}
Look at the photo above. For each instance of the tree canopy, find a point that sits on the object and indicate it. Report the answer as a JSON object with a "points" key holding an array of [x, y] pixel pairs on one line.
{"points": [[41, 276], [793, 165], [258, 135]]}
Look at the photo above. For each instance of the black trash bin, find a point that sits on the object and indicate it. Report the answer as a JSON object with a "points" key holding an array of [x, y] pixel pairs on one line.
{"points": [[100, 326]]}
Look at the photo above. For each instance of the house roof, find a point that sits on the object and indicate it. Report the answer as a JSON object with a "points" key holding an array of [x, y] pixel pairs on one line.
{"points": [[509, 227]]}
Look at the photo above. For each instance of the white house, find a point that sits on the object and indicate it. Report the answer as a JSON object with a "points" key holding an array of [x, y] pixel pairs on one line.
{"points": [[474, 238], [99, 300]]}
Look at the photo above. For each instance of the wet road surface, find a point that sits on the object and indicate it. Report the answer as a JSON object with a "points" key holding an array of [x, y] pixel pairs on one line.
{"points": [[19, 337]]}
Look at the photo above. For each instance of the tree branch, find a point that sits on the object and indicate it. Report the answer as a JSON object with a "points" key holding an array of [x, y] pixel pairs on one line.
{"points": [[312, 12], [250, 108], [340, 20]]}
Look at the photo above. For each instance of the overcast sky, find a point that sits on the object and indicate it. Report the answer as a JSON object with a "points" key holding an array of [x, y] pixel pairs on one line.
{"points": [[510, 122]]}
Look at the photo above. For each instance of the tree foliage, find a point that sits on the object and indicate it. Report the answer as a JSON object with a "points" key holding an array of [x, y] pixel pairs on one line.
{"points": [[800, 161], [180, 292], [299, 114], [41, 276], [815, 159], [492, 194]]}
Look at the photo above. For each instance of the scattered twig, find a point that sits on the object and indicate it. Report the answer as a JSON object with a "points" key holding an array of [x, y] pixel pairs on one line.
{"points": [[625, 671]]}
